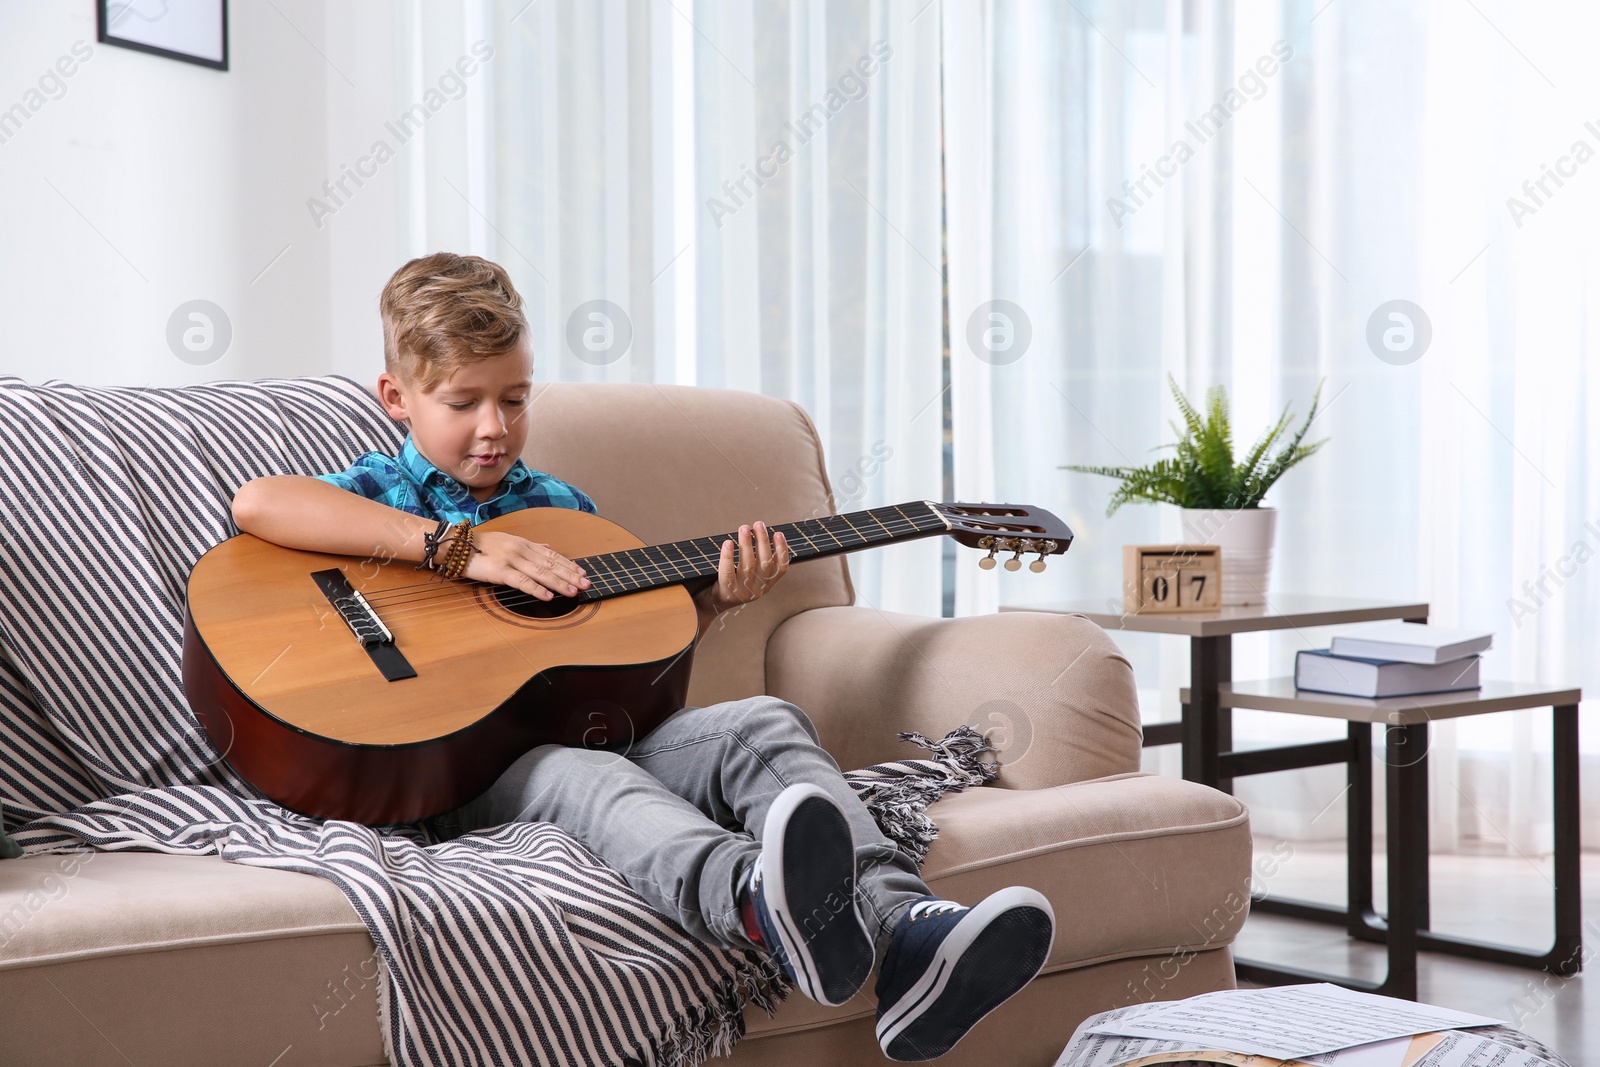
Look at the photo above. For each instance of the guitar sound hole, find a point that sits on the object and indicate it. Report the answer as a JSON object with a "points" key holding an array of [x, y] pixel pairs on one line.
{"points": [[530, 606]]}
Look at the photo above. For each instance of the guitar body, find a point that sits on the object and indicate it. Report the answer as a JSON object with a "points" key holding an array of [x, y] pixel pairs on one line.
{"points": [[370, 691], [313, 718]]}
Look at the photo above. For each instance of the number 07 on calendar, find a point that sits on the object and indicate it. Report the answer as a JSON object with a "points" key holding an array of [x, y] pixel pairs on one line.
{"points": [[1157, 578]]}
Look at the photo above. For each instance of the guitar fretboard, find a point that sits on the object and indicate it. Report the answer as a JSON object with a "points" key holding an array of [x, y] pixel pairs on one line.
{"points": [[628, 571]]}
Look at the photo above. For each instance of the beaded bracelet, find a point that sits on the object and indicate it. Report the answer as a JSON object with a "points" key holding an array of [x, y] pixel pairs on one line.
{"points": [[460, 551]]}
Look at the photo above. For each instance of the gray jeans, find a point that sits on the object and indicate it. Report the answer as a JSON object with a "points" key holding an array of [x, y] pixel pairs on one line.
{"points": [[680, 814]]}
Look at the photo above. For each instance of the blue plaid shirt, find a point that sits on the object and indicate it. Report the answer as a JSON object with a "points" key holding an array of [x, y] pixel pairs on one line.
{"points": [[411, 483]]}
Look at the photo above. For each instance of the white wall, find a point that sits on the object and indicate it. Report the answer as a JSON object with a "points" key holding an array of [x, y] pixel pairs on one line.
{"points": [[140, 182]]}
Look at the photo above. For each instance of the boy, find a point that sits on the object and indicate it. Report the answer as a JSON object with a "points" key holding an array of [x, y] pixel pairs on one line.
{"points": [[730, 819]]}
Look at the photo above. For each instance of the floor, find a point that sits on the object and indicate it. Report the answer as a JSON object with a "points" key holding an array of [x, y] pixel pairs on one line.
{"points": [[1489, 896]]}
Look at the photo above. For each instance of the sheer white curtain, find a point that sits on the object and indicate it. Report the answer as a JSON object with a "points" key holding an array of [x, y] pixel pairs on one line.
{"points": [[1363, 153], [1224, 192], [752, 190]]}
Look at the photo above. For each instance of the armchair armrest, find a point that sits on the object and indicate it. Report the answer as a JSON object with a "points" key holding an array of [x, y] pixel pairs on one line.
{"points": [[1053, 692]]}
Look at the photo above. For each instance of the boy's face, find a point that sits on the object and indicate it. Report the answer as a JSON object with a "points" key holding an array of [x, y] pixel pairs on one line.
{"points": [[471, 424]]}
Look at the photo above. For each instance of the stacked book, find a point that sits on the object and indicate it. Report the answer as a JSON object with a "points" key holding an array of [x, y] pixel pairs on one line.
{"points": [[1393, 659]]}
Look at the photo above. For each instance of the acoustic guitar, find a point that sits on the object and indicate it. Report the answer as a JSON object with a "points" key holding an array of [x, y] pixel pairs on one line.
{"points": [[369, 691]]}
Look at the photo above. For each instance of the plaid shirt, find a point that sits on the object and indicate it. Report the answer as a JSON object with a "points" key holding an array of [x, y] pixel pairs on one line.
{"points": [[411, 483]]}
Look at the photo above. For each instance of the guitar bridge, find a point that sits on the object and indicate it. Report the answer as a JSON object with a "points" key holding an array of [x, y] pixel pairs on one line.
{"points": [[364, 623]]}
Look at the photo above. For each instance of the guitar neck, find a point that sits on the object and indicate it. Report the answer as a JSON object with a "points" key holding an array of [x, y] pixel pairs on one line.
{"points": [[677, 562]]}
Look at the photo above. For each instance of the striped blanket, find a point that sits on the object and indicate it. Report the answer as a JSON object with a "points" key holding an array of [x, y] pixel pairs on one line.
{"points": [[507, 946]]}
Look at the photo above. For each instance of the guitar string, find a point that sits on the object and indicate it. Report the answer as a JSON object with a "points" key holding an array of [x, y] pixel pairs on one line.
{"points": [[652, 571], [901, 520], [422, 606], [653, 568], [461, 601], [455, 597], [423, 603]]}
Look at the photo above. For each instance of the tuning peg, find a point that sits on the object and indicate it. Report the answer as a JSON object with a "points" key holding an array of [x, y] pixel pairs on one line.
{"points": [[987, 562], [1021, 545], [1037, 565]]}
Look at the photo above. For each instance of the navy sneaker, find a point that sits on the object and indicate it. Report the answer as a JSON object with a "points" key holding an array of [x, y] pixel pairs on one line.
{"points": [[803, 888], [948, 966]]}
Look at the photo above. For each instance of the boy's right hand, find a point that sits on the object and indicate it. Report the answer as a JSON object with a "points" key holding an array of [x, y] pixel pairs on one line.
{"points": [[507, 559]]}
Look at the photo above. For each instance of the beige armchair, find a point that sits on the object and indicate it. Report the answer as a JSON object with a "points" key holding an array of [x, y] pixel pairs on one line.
{"points": [[184, 960]]}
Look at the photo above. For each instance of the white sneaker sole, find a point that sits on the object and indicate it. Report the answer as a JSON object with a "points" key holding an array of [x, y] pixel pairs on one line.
{"points": [[957, 991], [831, 964]]}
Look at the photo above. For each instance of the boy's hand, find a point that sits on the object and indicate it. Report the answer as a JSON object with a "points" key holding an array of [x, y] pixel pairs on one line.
{"points": [[761, 562], [508, 559]]}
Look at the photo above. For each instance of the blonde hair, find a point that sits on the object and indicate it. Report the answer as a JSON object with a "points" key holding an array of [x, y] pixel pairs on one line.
{"points": [[442, 312]]}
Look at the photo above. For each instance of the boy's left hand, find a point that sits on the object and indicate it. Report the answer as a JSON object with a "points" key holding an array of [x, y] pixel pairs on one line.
{"points": [[761, 560]]}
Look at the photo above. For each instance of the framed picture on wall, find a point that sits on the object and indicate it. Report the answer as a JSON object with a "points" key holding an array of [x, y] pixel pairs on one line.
{"points": [[195, 31]]}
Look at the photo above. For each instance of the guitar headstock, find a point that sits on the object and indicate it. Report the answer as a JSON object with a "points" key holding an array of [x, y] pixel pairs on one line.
{"points": [[1013, 528]]}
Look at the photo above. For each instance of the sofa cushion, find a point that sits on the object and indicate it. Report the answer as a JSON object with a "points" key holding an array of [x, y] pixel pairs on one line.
{"points": [[80, 904], [1133, 864], [112, 957]]}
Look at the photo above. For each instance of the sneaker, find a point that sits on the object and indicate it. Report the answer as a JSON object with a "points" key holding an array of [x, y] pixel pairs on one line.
{"points": [[948, 966], [803, 889]]}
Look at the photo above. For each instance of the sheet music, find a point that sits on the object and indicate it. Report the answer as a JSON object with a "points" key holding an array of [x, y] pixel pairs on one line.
{"points": [[1474, 1050], [1286, 1022], [1119, 1050]]}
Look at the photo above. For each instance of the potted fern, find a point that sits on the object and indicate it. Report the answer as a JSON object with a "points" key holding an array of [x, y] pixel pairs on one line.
{"points": [[1220, 497]]}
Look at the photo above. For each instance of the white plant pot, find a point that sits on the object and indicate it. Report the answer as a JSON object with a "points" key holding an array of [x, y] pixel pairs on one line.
{"points": [[1245, 537]]}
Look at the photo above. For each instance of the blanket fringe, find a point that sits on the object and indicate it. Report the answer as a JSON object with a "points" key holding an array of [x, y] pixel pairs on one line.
{"points": [[898, 794], [385, 1006]]}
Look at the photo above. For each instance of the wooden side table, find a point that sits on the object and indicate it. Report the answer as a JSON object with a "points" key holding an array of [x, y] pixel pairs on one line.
{"points": [[1406, 790], [1207, 737]]}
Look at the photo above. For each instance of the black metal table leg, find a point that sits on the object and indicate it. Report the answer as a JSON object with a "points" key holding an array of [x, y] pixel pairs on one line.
{"points": [[1223, 655], [1406, 782], [1418, 837], [1207, 727], [1363, 920], [1568, 948], [1406, 756], [1565, 955], [1409, 746], [1361, 914]]}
